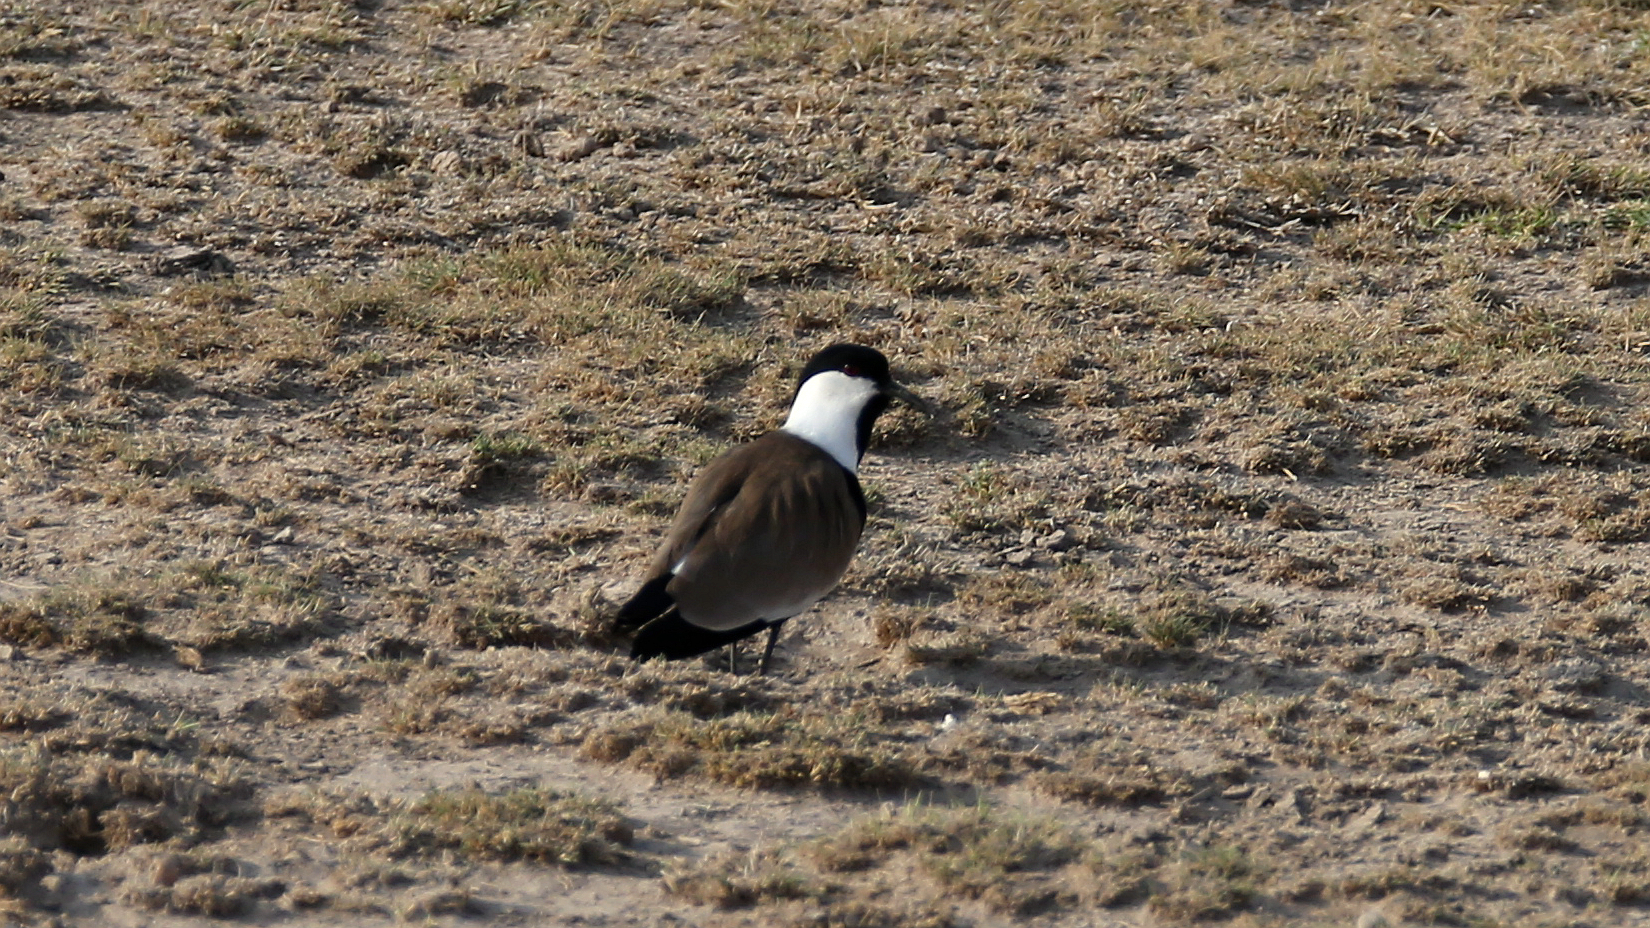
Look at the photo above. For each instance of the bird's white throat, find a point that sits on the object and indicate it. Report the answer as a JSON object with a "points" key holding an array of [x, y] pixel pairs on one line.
{"points": [[826, 412]]}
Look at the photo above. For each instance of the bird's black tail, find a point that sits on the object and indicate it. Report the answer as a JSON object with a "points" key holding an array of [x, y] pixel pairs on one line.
{"points": [[672, 637]]}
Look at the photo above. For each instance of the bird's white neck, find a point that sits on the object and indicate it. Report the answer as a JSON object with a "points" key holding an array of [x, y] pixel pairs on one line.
{"points": [[826, 412]]}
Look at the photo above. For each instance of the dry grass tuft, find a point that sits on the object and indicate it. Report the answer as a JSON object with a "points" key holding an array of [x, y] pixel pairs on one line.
{"points": [[1207, 883], [1004, 861], [106, 624], [763, 750], [523, 824], [741, 880], [311, 696], [91, 806]]}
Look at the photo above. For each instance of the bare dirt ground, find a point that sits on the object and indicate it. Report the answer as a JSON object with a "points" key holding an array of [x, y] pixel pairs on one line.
{"points": [[1279, 557]]}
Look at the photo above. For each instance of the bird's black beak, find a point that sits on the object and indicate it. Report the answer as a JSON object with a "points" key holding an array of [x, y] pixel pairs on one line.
{"points": [[897, 392]]}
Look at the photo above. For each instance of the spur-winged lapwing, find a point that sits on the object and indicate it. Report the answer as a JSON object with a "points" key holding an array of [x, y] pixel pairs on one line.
{"points": [[767, 529]]}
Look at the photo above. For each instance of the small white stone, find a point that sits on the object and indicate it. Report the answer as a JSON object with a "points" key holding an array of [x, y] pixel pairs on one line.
{"points": [[1374, 918]]}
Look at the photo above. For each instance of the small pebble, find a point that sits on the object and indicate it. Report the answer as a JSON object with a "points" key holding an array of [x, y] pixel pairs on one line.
{"points": [[1374, 918], [579, 148]]}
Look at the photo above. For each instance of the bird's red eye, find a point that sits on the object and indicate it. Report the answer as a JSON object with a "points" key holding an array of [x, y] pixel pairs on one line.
{"points": [[852, 370]]}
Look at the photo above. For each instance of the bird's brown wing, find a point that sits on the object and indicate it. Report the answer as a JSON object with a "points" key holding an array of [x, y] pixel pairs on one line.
{"points": [[712, 489], [766, 542]]}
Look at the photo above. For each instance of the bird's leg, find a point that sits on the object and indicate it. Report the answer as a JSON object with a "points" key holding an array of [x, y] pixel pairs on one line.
{"points": [[773, 639], [733, 657]]}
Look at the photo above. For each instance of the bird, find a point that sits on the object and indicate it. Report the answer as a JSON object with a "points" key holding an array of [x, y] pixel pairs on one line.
{"points": [[767, 529]]}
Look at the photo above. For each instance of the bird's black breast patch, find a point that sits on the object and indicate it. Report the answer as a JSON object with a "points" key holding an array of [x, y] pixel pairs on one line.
{"points": [[858, 494], [650, 602]]}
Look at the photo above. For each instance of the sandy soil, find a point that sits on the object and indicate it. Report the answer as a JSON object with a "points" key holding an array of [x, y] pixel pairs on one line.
{"points": [[1278, 557]]}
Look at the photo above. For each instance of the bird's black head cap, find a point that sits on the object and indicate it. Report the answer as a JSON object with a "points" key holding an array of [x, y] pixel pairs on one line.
{"points": [[853, 360]]}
